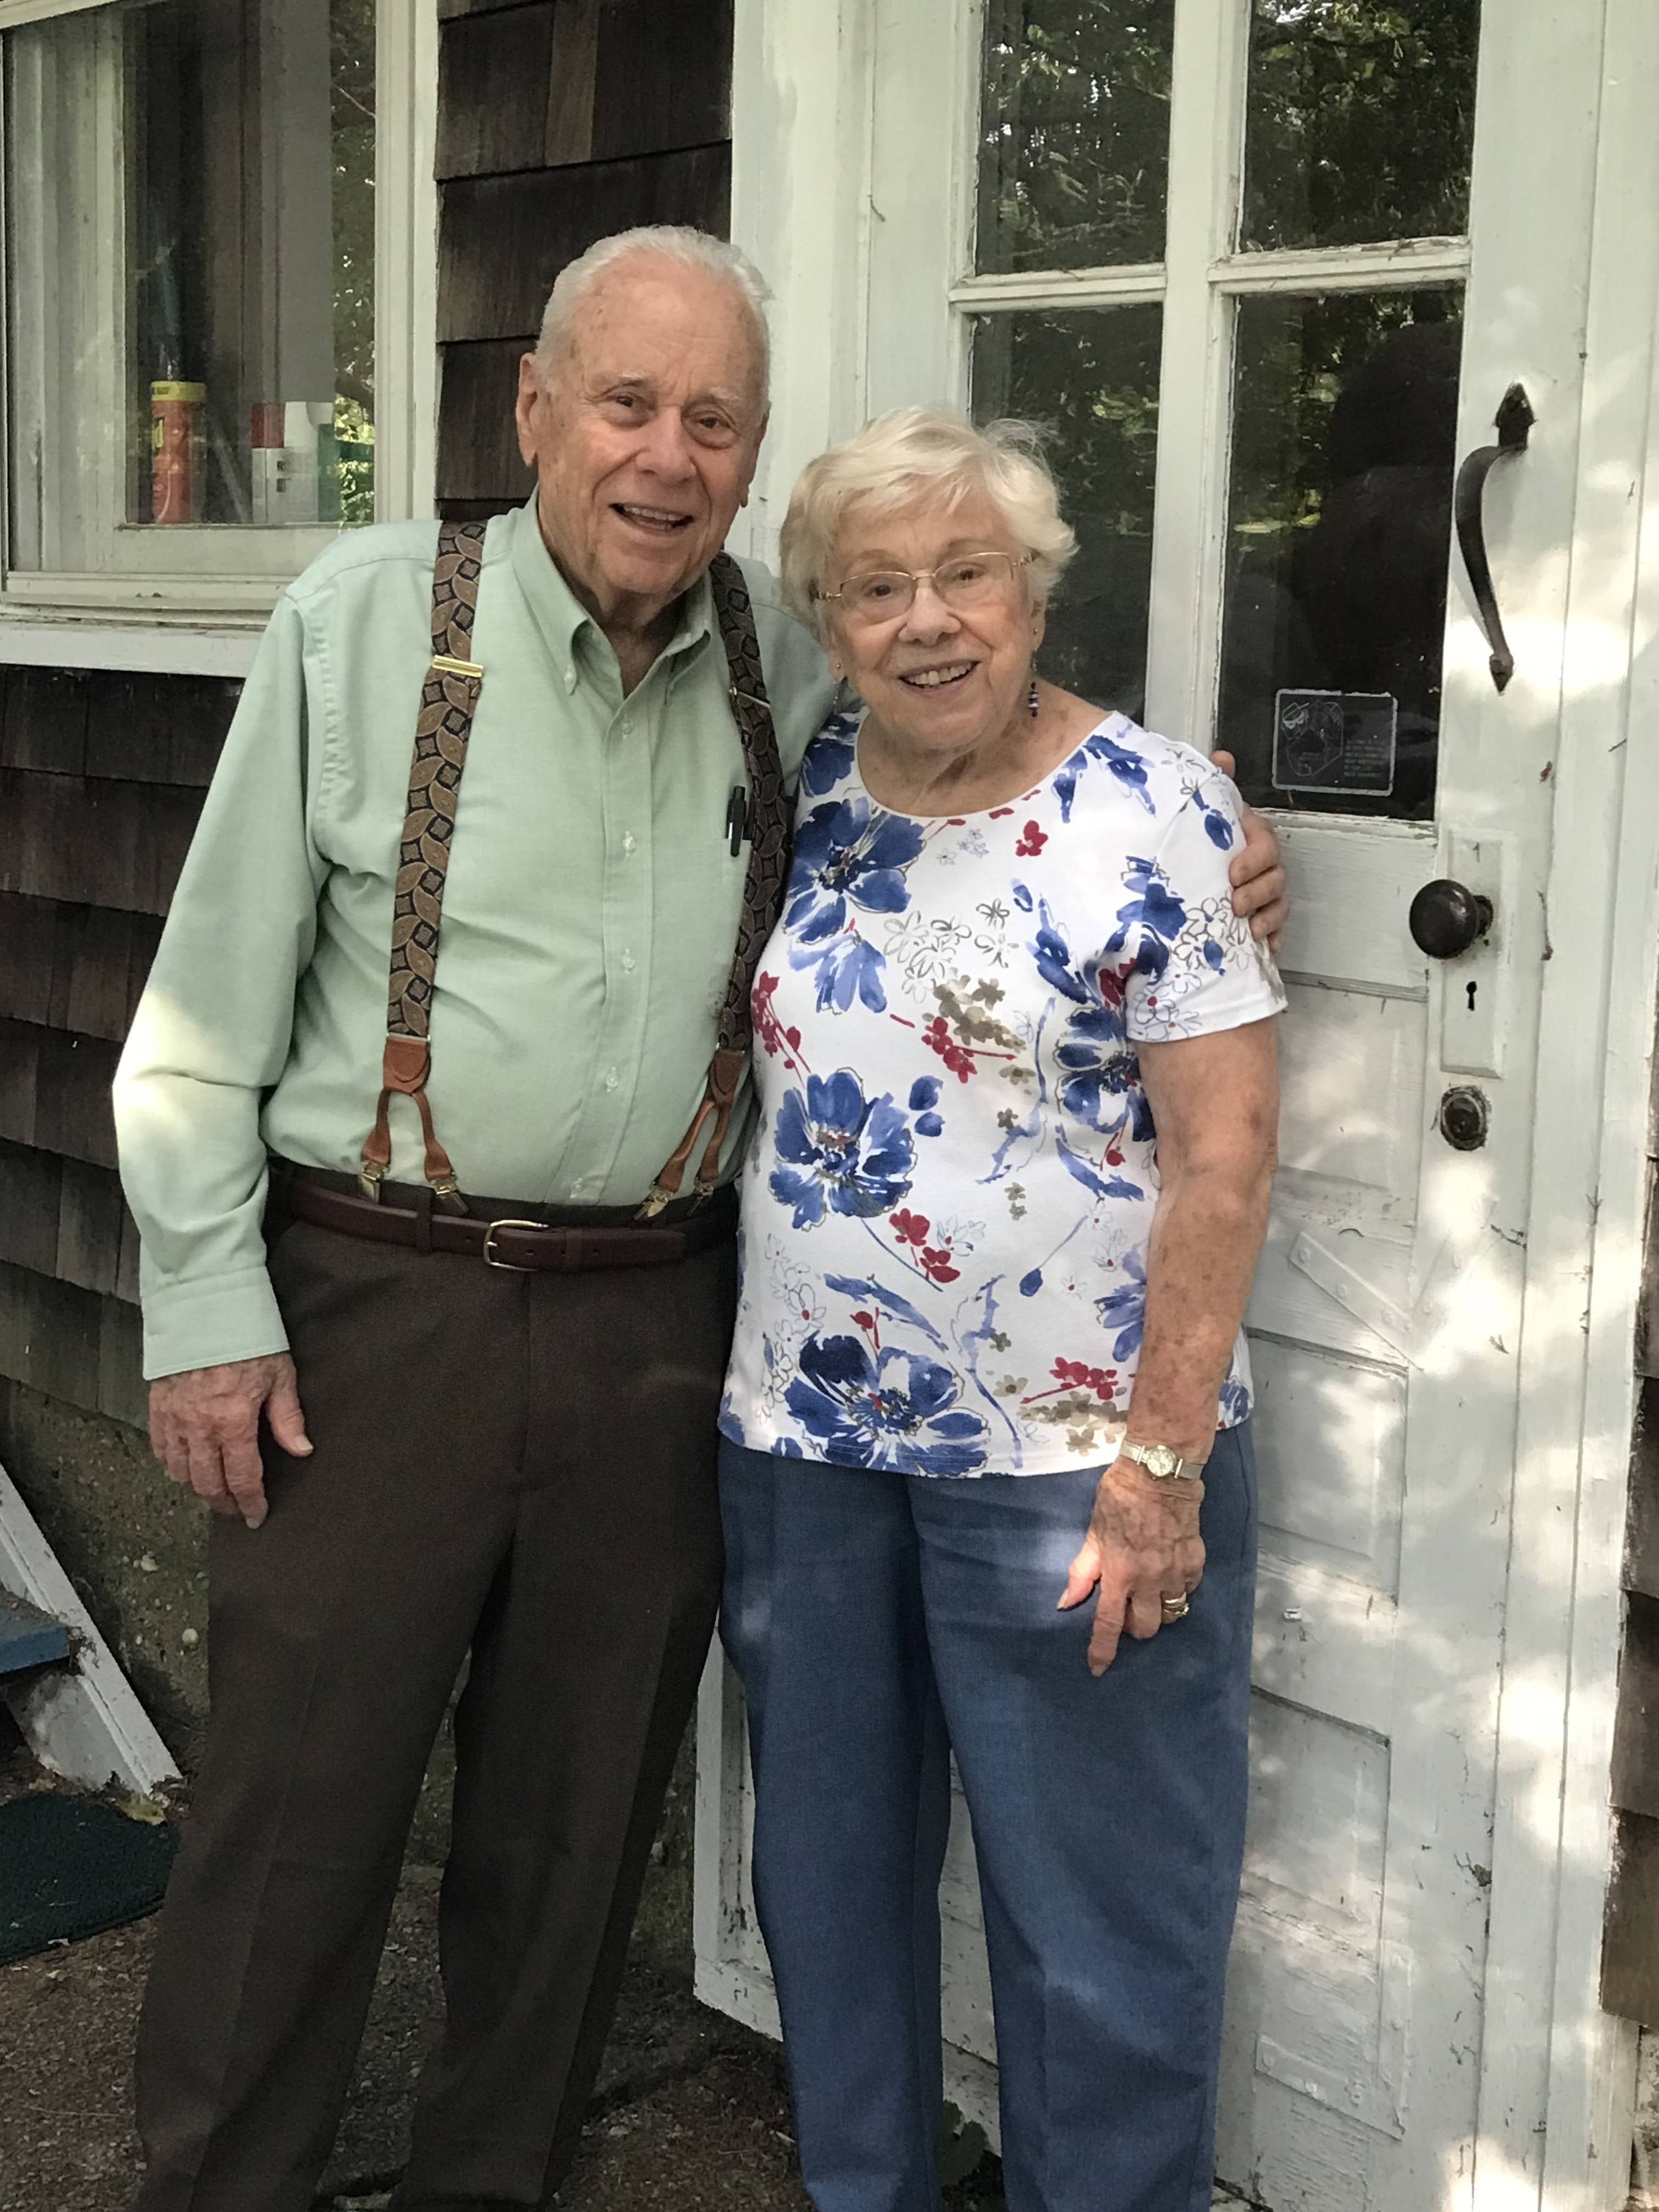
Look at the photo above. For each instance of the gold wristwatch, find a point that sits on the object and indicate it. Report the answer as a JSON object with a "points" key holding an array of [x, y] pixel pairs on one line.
{"points": [[1161, 1463]]}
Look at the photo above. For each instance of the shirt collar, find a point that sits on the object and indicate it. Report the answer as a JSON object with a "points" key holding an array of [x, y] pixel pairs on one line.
{"points": [[565, 624]]}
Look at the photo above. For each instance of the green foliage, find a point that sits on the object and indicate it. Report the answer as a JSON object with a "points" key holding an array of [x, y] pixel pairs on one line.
{"points": [[1074, 132], [1361, 118], [351, 24]]}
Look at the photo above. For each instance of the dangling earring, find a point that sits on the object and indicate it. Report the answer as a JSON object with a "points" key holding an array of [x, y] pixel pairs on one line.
{"points": [[1031, 699]]}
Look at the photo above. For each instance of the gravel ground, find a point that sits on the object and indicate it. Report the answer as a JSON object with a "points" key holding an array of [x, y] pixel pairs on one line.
{"points": [[691, 2113]]}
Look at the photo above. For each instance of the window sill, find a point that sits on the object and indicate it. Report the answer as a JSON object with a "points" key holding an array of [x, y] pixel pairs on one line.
{"points": [[148, 641]]}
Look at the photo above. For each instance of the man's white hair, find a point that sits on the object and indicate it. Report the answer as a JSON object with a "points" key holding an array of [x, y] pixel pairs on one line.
{"points": [[664, 242], [922, 456]]}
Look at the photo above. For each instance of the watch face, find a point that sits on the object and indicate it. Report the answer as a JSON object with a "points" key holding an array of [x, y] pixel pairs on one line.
{"points": [[1160, 1459]]}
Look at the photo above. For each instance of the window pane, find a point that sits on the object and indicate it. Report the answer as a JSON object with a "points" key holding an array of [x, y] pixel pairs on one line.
{"points": [[191, 273], [1339, 533], [1091, 378], [1361, 120], [1074, 133]]}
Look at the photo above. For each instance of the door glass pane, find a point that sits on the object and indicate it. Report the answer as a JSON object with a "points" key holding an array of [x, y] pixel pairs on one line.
{"points": [[1091, 378], [1074, 133], [1361, 120], [1339, 531]]}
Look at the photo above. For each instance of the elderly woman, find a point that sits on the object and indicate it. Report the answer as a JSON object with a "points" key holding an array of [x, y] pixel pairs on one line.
{"points": [[1016, 1065]]}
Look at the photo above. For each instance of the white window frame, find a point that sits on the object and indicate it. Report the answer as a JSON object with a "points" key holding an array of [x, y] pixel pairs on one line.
{"points": [[169, 610]]}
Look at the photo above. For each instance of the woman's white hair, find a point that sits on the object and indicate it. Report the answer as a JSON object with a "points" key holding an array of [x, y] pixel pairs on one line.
{"points": [[665, 241], [922, 456]]}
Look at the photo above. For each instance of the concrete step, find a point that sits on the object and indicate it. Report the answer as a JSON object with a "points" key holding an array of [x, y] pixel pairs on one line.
{"points": [[29, 1637]]}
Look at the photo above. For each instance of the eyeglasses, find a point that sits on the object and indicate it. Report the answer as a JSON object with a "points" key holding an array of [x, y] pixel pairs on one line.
{"points": [[968, 581]]}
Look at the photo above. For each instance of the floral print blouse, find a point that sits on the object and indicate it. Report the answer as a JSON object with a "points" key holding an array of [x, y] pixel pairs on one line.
{"points": [[947, 1201]]}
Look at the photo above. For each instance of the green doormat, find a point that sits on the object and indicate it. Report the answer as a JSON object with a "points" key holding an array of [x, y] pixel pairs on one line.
{"points": [[71, 1867]]}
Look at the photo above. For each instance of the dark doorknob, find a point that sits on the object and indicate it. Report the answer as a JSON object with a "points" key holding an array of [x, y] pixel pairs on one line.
{"points": [[1464, 1118], [1446, 918]]}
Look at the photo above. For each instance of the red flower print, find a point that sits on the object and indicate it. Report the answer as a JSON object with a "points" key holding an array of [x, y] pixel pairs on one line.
{"points": [[1032, 841], [937, 1038], [1078, 1374], [936, 1264], [909, 1228]]}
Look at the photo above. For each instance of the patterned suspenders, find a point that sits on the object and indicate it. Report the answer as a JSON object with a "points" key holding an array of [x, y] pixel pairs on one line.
{"points": [[442, 729]]}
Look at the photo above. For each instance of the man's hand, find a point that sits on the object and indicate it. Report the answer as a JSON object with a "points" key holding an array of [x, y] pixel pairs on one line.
{"points": [[205, 1428], [1143, 1545], [1257, 878]]}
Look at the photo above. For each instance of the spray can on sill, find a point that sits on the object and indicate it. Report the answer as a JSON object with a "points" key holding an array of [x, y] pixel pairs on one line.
{"points": [[178, 451]]}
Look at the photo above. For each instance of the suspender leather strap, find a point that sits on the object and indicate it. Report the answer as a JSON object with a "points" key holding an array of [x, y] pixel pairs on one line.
{"points": [[762, 888], [449, 698]]}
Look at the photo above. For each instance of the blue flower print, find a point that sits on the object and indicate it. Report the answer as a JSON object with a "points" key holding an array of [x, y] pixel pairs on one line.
{"points": [[830, 757], [888, 1409], [847, 854], [1152, 912], [1218, 822], [1126, 765], [1124, 1308], [1233, 1403], [1100, 1068], [924, 1098], [840, 1151]]}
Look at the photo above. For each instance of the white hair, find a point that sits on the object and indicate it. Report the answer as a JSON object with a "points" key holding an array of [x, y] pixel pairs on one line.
{"points": [[916, 455], [663, 241]]}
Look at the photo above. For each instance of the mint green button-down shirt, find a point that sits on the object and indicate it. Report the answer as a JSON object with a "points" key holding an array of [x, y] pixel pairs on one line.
{"points": [[589, 915]]}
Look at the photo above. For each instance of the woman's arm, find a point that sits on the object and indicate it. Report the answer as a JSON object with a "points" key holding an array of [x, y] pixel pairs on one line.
{"points": [[1215, 1104]]}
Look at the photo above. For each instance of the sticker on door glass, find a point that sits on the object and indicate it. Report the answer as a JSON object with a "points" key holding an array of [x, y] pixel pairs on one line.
{"points": [[1337, 742]]}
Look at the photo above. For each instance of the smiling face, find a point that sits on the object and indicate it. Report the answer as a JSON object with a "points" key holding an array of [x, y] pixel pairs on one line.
{"points": [[939, 681], [644, 434]]}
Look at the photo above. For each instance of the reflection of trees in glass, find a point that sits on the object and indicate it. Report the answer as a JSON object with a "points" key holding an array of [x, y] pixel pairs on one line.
{"points": [[1075, 135], [1091, 381], [351, 24], [1361, 118], [1339, 520]]}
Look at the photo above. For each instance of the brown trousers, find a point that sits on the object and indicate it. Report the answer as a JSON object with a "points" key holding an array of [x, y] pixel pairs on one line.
{"points": [[517, 1467]]}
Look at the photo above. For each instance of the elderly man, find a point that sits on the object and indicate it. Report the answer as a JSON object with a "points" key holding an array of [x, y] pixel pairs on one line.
{"points": [[506, 1454]]}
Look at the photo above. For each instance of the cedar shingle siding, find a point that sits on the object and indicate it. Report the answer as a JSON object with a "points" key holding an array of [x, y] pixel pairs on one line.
{"points": [[559, 120], [102, 779]]}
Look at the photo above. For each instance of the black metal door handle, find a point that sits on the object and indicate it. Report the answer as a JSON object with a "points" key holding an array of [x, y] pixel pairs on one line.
{"points": [[1515, 420]]}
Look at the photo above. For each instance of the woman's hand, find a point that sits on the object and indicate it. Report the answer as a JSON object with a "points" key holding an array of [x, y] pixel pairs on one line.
{"points": [[1257, 877], [1143, 1545]]}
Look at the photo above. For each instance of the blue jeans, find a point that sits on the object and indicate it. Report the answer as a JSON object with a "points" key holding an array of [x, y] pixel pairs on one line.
{"points": [[879, 1622]]}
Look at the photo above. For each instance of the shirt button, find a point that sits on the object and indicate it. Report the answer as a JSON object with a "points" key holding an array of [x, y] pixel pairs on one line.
{"points": [[576, 1188], [627, 841], [611, 1079], [630, 963]]}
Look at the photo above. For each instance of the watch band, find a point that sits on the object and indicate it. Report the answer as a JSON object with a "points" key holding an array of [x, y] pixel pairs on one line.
{"points": [[1163, 1464]]}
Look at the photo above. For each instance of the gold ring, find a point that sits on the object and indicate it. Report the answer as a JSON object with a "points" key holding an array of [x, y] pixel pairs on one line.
{"points": [[1177, 1608]]}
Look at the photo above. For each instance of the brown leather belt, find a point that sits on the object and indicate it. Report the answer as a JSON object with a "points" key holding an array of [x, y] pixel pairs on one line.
{"points": [[510, 1241]]}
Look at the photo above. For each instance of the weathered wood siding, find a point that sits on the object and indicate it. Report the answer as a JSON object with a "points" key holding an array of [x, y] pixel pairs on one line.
{"points": [[102, 779], [558, 121], [1629, 1951]]}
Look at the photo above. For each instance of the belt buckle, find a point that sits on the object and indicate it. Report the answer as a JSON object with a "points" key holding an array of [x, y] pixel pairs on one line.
{"points": [[513, 1266]]}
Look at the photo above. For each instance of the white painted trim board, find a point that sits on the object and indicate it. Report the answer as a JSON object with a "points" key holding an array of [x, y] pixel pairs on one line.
{"points": [[84, 1722]]}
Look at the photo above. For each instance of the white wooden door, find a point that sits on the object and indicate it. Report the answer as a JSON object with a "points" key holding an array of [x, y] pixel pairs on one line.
{"points": [[1270, 266]]}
